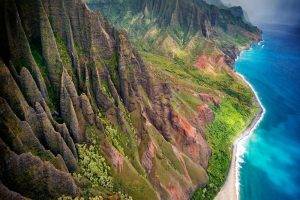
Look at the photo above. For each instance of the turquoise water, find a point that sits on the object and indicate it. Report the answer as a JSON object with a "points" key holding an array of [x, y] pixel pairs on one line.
{"points": [[271, 165]]}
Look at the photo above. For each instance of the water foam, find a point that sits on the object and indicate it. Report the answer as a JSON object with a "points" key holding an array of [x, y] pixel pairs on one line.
{"points": [[240, 143], [261, 43]]}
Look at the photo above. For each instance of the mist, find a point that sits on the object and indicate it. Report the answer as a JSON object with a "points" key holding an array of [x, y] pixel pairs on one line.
{"points": [[286, 12]]}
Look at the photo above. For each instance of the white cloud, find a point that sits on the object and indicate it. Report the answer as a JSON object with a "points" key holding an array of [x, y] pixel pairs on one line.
{"points": [[270, 11]]}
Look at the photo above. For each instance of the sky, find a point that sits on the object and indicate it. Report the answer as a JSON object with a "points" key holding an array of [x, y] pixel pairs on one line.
{"points": [[271, 11]]}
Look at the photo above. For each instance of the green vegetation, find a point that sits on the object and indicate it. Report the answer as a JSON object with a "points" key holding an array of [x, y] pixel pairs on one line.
{"points": [[64, 55], [93, 169], [238, 40], [53, 92], [151, 30], [166, 151], [63, 51], [113, 134], [113, 159], [190, 79], [53, 100], [230, 119], [80, 198], [94, 173], [39, 60], [112, 65], [171, 52], [131, 178], [191, 101], [124, 142], [94, 165]]}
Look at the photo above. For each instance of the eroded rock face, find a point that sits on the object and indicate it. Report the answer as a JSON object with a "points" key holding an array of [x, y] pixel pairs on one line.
{"points": [[64, 71], [67, 107], [206, 115], [41, 178], [54, 141], [214, 62], [7, 194], [148, 156], [183, 125], [87, 109], [115, 157], [190, 140], [206, 98], [31, 91]]}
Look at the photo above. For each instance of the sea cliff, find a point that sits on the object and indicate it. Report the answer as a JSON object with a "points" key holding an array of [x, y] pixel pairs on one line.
{"points": [[146, 108]]}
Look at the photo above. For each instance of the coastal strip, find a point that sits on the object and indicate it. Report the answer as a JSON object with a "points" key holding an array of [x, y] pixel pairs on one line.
{"points": [[230, 189]]}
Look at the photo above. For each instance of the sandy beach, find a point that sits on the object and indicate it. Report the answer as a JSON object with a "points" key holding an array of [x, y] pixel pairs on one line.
{"points": [[229, 191]]}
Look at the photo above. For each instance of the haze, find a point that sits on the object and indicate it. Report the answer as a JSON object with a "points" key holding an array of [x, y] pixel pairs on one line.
{"points": [[271, 11]]}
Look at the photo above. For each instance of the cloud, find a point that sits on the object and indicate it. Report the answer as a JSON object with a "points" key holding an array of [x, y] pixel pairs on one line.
{"points": [[270, 11]]}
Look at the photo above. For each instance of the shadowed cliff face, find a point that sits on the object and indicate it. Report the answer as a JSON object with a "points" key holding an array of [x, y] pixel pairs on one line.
{"points": [[81, 114], [193, 16], [270, 11], [192, 45], [178, 28]]}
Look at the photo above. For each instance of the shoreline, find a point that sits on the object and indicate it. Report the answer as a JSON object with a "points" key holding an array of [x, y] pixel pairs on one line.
{"points": [[230, 189]]}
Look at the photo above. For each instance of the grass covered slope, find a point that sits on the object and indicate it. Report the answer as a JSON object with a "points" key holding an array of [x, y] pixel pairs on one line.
{"points": [[88, 112], [175, 28], [191, 46], [231, 100], [82, 114]]}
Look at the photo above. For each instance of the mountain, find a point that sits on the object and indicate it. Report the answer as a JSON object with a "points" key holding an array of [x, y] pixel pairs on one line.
{"points": [[193, 45], [234, 9], [87, 111], [173, 26], [217, 3]]}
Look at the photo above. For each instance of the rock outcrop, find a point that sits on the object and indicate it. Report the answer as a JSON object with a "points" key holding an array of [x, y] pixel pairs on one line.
{"points": [[170, 26], [7, 194], [73, 88], [42, 179]]}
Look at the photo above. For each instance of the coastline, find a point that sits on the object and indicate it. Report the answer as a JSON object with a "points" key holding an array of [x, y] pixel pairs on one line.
{"points": [[230, 189]]}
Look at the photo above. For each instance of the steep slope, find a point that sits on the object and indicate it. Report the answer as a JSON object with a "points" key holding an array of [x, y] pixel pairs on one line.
{"points": [[192, 45], [82, 115], [85, 114], [176, 27]]}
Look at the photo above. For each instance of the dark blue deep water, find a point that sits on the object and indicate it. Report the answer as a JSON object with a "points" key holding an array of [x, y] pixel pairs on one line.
{"points": [[271, 167]]}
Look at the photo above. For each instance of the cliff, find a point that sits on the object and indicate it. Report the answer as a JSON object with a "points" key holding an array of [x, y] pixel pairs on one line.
{"points": [[177, 27], [192, 45], [85, 114]]}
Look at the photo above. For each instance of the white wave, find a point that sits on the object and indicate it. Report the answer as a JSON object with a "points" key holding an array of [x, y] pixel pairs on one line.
{"points": [[241, 143], [261, 43], [250, 49]]}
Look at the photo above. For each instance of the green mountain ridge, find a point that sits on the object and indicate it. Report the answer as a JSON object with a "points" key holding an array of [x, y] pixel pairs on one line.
{"points": [[119, 104], [162, 24], [191, 34]]}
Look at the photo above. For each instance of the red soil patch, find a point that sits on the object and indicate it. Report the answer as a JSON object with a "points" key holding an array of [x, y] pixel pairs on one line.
{"points": [[214, 61], [176, 192], [148, 156], [209, 99], [115, 157], [205, 114], [183, 125]]}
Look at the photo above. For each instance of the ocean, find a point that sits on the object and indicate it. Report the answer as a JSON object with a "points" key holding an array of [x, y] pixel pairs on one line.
{"points": [[270, 164]]}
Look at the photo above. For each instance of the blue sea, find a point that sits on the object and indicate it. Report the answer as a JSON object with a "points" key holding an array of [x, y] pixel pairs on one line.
{"points": [[271, 163]]}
